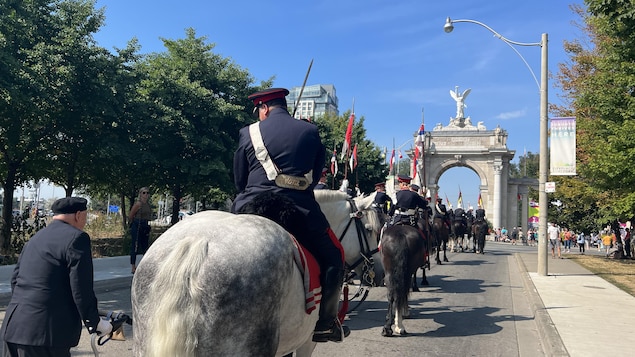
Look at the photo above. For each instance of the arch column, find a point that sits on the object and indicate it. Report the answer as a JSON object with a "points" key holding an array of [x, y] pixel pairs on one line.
{"points": [[498, 168], [524, 208]]}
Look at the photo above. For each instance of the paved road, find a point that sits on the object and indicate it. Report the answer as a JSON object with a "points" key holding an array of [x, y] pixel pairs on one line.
{"points": [[476, 305]]}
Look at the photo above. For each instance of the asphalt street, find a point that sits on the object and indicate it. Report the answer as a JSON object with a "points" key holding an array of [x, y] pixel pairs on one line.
{"points": [[476, 305]]}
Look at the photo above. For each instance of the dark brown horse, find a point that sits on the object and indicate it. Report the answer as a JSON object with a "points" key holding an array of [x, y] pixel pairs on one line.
{"points": [[403, 251], [479, 231], [440, 236]]}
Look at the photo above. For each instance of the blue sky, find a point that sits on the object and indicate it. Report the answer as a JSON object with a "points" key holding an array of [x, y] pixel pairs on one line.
{"points": [[392, 57]]}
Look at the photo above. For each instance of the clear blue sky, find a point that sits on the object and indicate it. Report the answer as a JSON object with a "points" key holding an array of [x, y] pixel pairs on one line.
{"points": [[392, 57]]}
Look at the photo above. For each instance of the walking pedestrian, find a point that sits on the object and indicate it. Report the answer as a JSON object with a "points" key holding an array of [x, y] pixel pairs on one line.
{"points": [[581, 242], [52, 288]]}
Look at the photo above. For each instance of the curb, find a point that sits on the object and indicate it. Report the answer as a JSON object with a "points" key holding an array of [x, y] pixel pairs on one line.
{"points": [[550, 338]]}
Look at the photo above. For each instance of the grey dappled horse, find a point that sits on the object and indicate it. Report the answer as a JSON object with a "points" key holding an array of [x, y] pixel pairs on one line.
{"points": [[220, 284]]}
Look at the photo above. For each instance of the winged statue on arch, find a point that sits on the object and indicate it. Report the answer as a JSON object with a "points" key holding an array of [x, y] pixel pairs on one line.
{"points": [[460, 101]]}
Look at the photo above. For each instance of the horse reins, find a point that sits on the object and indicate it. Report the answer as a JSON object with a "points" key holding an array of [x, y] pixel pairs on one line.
{"points": [[365, 251]]}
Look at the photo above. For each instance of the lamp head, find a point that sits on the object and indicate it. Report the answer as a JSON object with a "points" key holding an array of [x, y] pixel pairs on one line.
{"points": [[448, 27]]}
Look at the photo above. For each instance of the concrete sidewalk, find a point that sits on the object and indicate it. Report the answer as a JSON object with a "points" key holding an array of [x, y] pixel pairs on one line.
{"points": [[108, 272], [578, 313]]}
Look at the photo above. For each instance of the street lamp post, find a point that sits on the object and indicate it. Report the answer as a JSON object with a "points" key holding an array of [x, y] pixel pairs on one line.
{"points": [[543, 171]]}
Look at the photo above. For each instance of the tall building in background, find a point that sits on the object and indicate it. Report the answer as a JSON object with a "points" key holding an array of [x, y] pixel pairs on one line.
{"points": [[316, 100]]}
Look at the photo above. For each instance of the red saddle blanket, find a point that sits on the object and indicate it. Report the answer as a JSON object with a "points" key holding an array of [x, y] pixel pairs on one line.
{"points": [[311, 272]]}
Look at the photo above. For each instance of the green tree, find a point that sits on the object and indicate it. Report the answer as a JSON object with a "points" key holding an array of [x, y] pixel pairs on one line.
{"points": [[197, 100], [33, 36], [598, 85], [370, 164]]}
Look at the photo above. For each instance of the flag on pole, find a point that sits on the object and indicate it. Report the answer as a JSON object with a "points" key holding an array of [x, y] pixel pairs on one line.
{"points": [[353, 160], [349, 136], [400, 156], [420, 136], [392, 161], [448, 201], [414, 162], [520, 197], [334, 163], [459, 202], [480, 201]]}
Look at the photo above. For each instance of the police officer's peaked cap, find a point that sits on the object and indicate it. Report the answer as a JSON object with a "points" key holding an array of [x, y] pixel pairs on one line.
{"points": [[404, 178], [380, 184], [439, 199], [414, 187], [268, 95], [69, 205]]}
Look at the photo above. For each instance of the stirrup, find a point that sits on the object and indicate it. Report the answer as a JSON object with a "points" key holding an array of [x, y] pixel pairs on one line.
{"points": [[336, 333]]}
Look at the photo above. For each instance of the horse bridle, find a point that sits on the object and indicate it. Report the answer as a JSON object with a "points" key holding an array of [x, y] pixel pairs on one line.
{"points": [[366, 254]]}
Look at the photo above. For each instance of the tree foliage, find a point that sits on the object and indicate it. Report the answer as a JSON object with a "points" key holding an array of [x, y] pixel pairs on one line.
{"points": [[599, 90], [370, 166]]}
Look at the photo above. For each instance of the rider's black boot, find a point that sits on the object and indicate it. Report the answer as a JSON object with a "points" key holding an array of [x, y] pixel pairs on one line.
{"points": [[328, 327]]}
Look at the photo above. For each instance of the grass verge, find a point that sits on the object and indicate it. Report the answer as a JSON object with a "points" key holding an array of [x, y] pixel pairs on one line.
{"points": [[619, 272]]}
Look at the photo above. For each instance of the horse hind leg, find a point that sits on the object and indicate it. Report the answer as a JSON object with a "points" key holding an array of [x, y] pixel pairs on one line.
{"points": [[445, 257], [387, 330], [399, 315]]}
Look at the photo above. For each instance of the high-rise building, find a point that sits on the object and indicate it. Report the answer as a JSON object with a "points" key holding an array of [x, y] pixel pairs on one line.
{"points": [[316, 100]]}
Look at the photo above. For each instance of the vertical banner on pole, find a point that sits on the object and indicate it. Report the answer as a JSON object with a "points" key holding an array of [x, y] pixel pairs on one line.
{"points": [[563, 144]]}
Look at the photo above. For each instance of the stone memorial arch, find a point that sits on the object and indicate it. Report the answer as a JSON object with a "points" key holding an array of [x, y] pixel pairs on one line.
{"points": [[462, 144]]}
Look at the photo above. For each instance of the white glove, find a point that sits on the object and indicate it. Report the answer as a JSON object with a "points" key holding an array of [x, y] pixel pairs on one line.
{"points": [[104, 327]]}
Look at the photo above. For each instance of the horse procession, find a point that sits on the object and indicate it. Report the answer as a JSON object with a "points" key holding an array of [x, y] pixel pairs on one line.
{"points": [[230, 284]]}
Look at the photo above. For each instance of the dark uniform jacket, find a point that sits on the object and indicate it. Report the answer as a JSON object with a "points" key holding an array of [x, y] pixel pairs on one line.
{"points": [[407, 200], [480, 214], [381, 201], [295, 148], [52, 288]]}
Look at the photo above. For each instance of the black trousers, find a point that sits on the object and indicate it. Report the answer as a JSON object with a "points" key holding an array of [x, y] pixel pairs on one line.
{"points": [[15, 350]]}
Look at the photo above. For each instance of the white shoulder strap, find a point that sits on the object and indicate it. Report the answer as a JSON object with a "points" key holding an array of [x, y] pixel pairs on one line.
{"points": [[261, 151]]}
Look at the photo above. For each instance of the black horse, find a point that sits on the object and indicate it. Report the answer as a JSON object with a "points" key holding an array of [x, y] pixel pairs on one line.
{"points": [[440, 236], [479, 230], [403, 251], [459, 229]]}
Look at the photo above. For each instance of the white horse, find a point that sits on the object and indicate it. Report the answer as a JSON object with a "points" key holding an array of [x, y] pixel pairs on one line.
{"points": [[220, 284]]}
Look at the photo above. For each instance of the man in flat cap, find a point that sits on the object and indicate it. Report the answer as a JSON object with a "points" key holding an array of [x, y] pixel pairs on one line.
{"points": [[289, 162], [52, 288]]}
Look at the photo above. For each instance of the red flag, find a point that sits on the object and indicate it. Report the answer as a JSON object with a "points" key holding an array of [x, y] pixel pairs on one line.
{"points": [[400, 156], [334, 163], [520, 197], [392, 161], [349, 136], [414, 161], [353, 161]]}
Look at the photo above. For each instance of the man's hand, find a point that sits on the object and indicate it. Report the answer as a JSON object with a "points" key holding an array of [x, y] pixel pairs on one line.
{"points": [[104, 327]]}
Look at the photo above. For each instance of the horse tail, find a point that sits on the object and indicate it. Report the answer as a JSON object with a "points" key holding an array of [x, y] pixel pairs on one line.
{"points": [[399, 280], [176, 294]]}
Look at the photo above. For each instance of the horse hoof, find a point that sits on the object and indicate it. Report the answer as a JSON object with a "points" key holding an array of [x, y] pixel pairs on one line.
{"points": [[386, 332], [403, 333], [445, 260]]}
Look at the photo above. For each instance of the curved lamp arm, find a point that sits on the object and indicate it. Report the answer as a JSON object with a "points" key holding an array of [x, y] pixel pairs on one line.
{"points": [[449, 26]]}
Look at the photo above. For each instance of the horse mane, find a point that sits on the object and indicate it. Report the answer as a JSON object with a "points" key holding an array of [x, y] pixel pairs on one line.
{"points": [[278, 208], [325, 196]]}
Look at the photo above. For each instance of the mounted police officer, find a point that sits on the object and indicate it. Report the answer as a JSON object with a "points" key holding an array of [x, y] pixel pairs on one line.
{"points": [[408, 201], [382, 201], [480, 214], [442, 212], [284, 155], [322, 184]]}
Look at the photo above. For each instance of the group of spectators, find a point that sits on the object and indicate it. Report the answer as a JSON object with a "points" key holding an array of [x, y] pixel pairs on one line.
{"points": [[616, 244]]}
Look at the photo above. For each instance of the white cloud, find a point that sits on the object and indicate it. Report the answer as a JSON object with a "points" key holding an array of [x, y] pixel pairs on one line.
{"points": [[512, 115]]}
